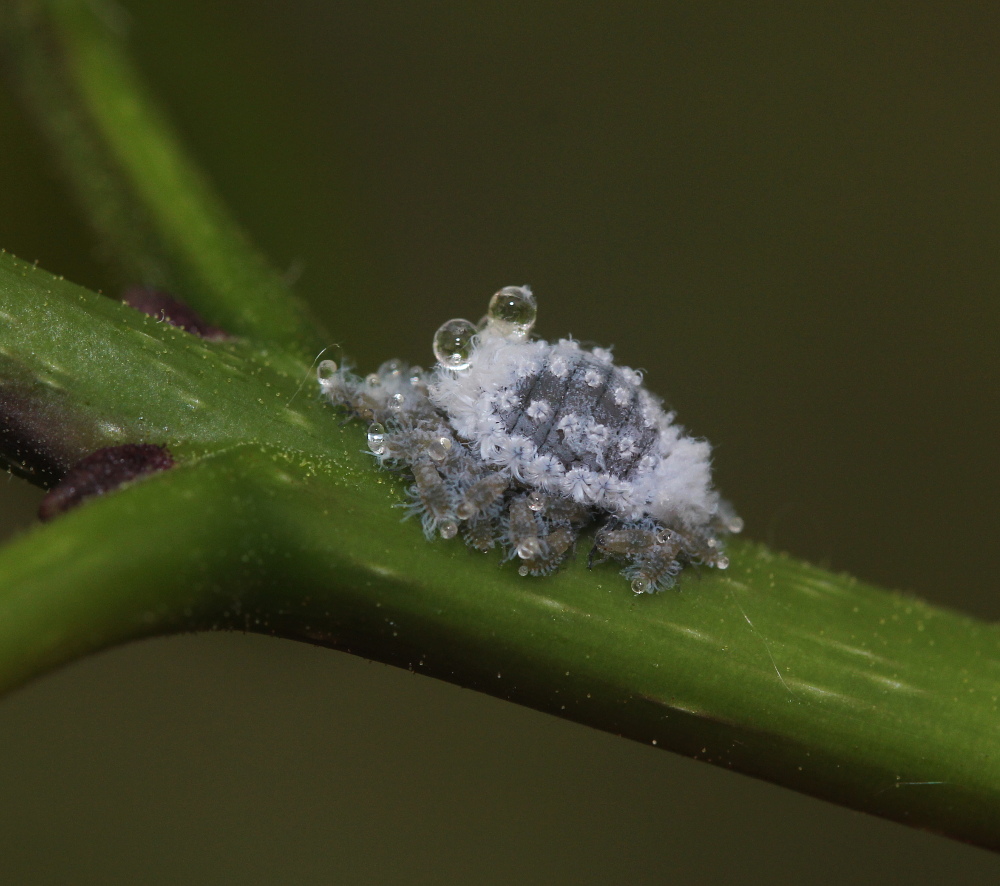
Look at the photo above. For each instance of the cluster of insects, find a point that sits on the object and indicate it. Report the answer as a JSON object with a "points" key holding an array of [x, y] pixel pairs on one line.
{"points": [[521, 444]]}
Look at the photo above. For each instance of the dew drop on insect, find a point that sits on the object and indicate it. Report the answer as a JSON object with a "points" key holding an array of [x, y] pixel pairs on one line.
{"points": [[438, 450], [373, 380], [529, 549], [327, 369], [662, 536], [512, 311], [448, 529], [722, 563], [640, 585], [536, 502], [734, 524], [416, 375], [464, 511], [523, 570], [453, 344], [376, 438]]}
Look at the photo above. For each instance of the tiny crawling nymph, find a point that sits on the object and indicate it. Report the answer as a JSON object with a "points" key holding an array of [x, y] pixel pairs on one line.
{"points": [[522, 444]]}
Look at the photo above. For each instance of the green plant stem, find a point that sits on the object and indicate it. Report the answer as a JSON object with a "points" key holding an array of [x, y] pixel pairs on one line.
{"points": [[274, 522], [810, 680], [67, 592], [776, 669], [119, 376], [148, 200]]}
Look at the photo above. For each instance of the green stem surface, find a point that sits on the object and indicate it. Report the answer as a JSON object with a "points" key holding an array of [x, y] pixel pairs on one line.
{"points": [[275, 521], [774, 668]]}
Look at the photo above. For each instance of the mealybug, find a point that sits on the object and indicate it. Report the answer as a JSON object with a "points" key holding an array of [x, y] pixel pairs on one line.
{"points": [[521, 444]]}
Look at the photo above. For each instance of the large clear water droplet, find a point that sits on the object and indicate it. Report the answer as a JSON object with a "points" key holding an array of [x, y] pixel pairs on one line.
{"points": [[453, 344], [448, 529], [327, 369], [512, 311], [376, 438]]}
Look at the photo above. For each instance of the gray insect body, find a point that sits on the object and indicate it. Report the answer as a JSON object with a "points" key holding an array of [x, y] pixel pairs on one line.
{"points": [[579, 409], [521, 443]]}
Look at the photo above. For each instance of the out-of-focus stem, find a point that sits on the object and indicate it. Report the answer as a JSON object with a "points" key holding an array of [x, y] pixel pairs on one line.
{"points": [[154, 212]]}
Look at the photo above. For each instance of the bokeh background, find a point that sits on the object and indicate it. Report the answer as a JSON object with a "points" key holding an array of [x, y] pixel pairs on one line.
{"points": [[786, 213]]}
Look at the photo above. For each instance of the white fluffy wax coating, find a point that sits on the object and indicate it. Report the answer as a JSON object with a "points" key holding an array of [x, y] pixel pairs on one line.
{"points": [[520, 444], [568, 421]]}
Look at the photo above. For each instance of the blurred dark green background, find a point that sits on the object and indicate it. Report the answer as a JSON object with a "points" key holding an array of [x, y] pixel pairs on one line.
{"points": [[786, 213]]}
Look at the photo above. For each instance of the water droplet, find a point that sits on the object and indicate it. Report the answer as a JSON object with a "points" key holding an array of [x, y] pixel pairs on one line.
{"points": [[641, 585], [373, 381], [453, 344], [439, 449], [722, 563], [529, 549], [327, 369], [734, 524], [464, 510], [376, 438], [448, 529], [662, 536], [522, 570], [712, 542], [396, 402], [416, 375], [512, 311], [536, 502]]}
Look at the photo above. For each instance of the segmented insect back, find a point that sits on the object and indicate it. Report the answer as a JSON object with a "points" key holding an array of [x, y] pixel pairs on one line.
{"points": [[521, 443]]}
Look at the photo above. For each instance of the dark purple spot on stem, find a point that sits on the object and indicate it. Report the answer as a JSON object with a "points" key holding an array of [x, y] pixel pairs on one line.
{"points": [[163, 306], [102, 471]]}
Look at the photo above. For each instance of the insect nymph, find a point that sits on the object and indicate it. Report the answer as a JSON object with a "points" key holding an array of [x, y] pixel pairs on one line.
{"points": [[521, 444]]}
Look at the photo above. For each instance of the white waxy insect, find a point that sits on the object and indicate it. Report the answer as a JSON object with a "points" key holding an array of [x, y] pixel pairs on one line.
{"points": [[522, 443]]}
